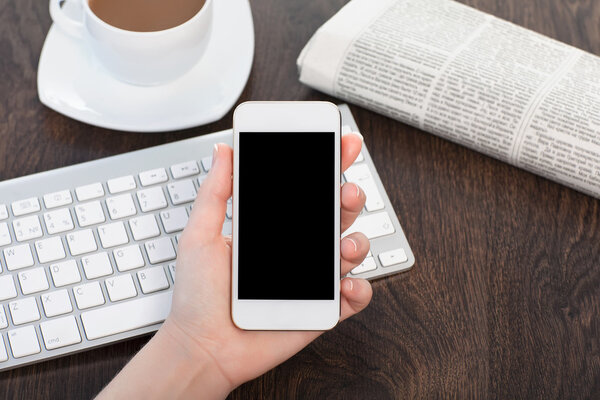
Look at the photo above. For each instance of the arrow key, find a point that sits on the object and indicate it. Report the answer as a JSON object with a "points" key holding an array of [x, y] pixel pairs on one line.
{"points": [[393, 257]]}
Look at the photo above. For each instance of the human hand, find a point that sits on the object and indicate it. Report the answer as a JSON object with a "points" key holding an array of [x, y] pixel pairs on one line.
{"points": [[199, 351], [201, 310]]}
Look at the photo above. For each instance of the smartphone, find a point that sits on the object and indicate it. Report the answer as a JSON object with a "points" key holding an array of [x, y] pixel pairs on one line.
{"points": [[286, 216]]}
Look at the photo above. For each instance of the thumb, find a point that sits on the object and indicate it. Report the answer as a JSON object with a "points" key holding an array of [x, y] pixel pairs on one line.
{"points": [[208, 213]]}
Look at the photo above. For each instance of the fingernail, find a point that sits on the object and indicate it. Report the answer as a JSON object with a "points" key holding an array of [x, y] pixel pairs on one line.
{"points": [[357, 190], [353, 242], [351, 284], [215, 153], [362, 139]]}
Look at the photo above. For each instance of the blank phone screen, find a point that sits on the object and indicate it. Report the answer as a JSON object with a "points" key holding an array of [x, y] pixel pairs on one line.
{"points": [[286, 216]]}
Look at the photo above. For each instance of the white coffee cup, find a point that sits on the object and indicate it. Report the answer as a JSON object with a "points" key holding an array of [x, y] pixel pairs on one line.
{"points": [[140, 58]]}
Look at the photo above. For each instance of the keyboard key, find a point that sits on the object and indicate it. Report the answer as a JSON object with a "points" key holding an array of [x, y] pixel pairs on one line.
{"points": [[58, 221], [89, 192], [120, 206], [120, 287], [151, 199], [90, 213], [361, 175], [367, 265], [3, 319], [174, 220], [4, 234], [226, 228], [7, 287], [65, 273], [207, 163], [3, 352], [372, 225], [160, 250], [56, 303], [33, 280], [393, 257], [81, 242], [112, 235], [60, 332], [182, 170], [172, 271], [88, 295], [3, 212], [50, 249], [23, 341], [18, 257], [121, 184], [201, 179], [229, 212], [27, 228], [182, 192], [153, 279], [24, 310], [126, 316], [144, 227], [58, 199], [26, 206], [96, 265], [153, 177], [129, 258]]}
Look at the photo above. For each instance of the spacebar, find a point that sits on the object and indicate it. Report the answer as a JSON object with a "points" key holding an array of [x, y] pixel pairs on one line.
{"points": [[123, 317]]}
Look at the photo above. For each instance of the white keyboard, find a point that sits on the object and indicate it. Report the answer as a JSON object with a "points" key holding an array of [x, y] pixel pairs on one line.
{"points": [[88, 252]]}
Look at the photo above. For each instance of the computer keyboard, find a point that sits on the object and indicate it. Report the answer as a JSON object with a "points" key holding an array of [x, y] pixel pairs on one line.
{"points": [[88, 252]]}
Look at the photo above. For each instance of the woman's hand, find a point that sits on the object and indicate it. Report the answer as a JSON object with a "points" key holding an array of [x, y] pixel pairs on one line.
{"points": [[199, 328]]}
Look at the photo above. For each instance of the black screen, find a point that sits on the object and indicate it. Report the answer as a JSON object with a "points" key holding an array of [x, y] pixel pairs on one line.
{"points": [[286, 220]]}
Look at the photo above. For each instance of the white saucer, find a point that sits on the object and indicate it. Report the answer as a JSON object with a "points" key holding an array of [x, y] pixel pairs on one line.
{"points": [[72, 82]]}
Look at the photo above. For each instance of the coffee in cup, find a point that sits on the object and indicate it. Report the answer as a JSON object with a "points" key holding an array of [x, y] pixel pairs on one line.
{"points": [[145, 15], [143, 42]]}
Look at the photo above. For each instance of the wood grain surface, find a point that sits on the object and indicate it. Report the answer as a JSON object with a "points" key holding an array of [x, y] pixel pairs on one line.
{"points": [[504, 299]]}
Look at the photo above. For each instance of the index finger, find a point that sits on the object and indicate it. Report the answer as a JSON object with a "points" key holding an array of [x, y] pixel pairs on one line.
{"points": [[351, 145]]}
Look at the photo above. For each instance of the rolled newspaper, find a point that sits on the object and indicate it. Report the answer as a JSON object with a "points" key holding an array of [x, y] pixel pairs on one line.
{"points": [[469, 77]]}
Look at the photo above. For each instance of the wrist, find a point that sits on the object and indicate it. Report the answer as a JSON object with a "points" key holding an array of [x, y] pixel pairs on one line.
{"points": [[169, 366], [196, 368]]}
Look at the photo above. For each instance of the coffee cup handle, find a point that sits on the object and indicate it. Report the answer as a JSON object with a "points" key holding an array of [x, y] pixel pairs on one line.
{"points": [[68, 24]]}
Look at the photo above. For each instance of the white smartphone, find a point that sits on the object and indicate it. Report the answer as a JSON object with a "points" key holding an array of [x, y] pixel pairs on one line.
{"points": [[286, 216]]}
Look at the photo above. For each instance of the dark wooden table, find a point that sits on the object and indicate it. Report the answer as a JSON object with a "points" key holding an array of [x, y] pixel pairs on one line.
{"points": [[504, 299]]}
